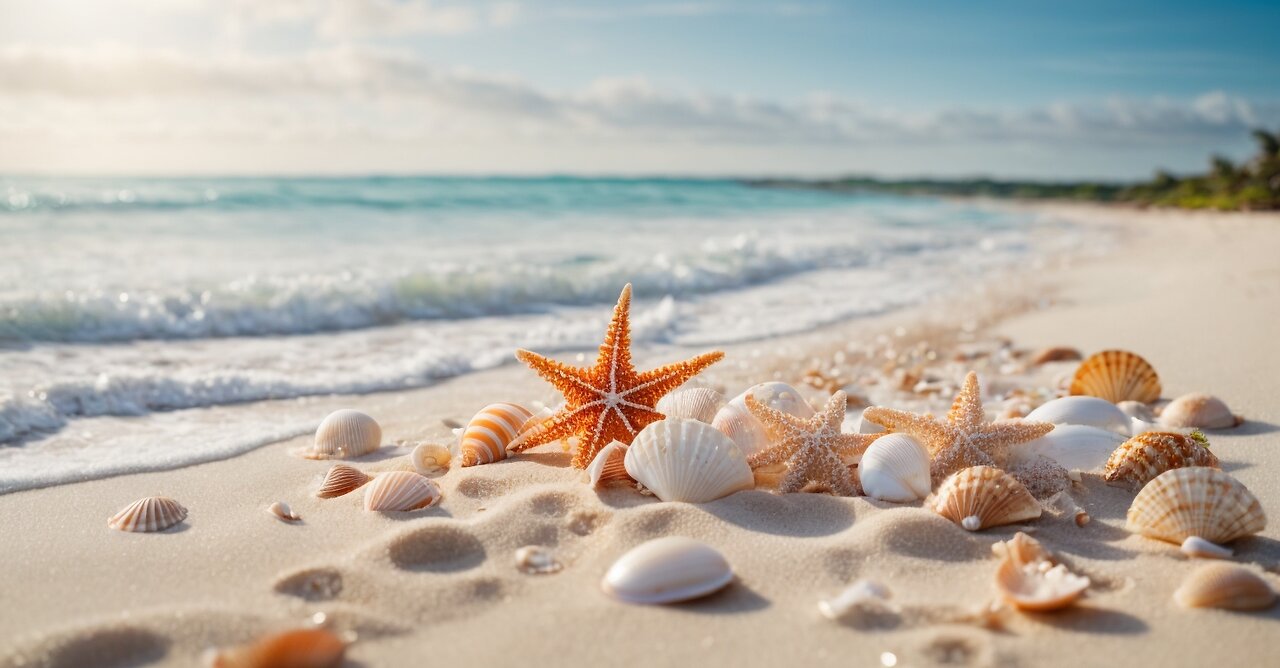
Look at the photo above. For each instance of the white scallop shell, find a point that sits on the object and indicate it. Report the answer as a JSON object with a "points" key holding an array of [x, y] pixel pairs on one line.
{"points": [[680, 459], [400, 491], [345, 433], [1082, 410], [1074, 447], [153, 513], [895, 468], [695, 403], [745, 430], [667, 570]]}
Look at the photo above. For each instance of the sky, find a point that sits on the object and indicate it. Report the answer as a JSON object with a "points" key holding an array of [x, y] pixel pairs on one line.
{"points": [[1009, 89]]}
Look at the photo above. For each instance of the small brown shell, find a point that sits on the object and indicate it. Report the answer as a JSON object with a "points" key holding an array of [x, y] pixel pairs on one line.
{"points": [[341, 479], [1117, 375], [1055, 354], [983, 496], [1226, 586], [1140, 459], [300, 648], [153, 513], [400, 491], [1196, 501], [1198, 411]]}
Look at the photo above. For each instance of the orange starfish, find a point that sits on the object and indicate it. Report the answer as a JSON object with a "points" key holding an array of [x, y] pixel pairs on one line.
{"points": [[963, 439], [611, 400], [811, 447]]}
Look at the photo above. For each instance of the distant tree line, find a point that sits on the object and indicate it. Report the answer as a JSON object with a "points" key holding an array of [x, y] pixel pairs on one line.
{"points": [[1252, 185]]}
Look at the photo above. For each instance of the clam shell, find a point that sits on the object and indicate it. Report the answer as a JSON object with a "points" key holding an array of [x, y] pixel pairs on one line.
{"points": [[608, 467], [667, 570], [430, 458], [1117, 375], [282, 510], [1137, 410], [895, 468], [695, 403], [1074, 447], [680, 459], [345, 433], [1083, 411], [300, 648], [400, 491], [490, 431], [1140, 459], [1195, 501], [1198, 411], [153, 513], [1226, 586], [983, 496], [745, 430], [341, 479]]}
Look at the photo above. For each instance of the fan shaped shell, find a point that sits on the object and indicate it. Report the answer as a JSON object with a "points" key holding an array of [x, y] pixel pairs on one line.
{"points": [[983, 496], [1226, 586], [1196, 501], [695, 403], [1082, 410], [895, 468], [490, 431], [680, 459], [735, 421], [345, 433], [1117, 375], [341, 479], [1140, 459], [400, 491], [153, 513], [1074, 447], [1198, 411]]}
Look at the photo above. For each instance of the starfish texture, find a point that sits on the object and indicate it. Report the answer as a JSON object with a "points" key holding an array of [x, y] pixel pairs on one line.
{"points": [[963, 439], [611, 400], [811, 447]]}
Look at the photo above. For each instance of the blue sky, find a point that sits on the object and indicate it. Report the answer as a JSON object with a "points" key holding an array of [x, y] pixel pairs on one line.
{"points": [[1033, 89]]}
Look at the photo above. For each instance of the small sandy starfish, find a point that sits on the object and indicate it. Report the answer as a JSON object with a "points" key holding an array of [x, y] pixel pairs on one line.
{"points": [[811, 447], [611, 400], [963, 439]]}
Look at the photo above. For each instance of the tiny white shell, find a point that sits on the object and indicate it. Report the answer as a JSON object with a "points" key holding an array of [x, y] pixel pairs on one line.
{"points": [[400, 491], [1195, 546], [282, 510], [1074, 447], [746, 431], [861, 597], [895, 468], [695, 403], [1082, 410], [345, 433], [152, 513], [680, 459], [667, 570], [537, 560]]}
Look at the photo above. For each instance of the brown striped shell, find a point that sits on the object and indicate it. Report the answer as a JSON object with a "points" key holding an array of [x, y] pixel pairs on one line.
{"points": [[341, 479], [1226, 586], [608, 466], [153, 513], [1117, 375], [1140, 459], [490, 431], [1196, 501], [983, 496]]}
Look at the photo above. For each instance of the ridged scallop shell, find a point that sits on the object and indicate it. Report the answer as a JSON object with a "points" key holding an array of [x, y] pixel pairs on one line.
{"points": [[400, 491], [1029, 579], [1198, 411], [735, 421], [153, 513], [300, 648], [345, 433], [983, 496], [490, 431], [1195, 501], [680, 459], [1083, 411], [1140, 459], [1117, 375], [608, 466], [341, 479], [667, 570], [895, 468], [430, 458], [1225, 586], [695, 403], [1074, 447]]}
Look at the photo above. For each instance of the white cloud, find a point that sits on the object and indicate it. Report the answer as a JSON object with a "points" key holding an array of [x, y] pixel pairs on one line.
{"points": [[360, 19]]}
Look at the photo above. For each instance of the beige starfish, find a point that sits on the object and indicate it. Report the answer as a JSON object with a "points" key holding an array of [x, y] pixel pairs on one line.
{"points": [[812, 448], [963, 439]]}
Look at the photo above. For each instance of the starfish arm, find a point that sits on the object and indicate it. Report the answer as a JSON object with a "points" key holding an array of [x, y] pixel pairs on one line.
{"points": [[561, 425], [564, 377], [966, 411], [615, 351], [893, 419], [997, 438], [833, 412], [780, 426], [794, 480], [651, 386], [774, 455], [852, 445]]}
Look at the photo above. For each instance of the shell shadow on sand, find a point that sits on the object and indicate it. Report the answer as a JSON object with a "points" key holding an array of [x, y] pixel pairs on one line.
{"points": [[1090, 619], [798, 515], [737, 598]]}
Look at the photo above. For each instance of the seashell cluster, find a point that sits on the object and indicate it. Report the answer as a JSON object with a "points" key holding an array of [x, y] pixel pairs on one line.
{"points": [[343, 434], [1195, 501], [341, 479], [983, 496], [1074, 447], [895, 468], [682, 459], [1117, 375], [1084, 411], [1145, 456], [1225, 586], [153, 513], [430, 458], [282, 511], [609, 466], [1028, 579], [744, 429], [300, 648], [490, 431], [1198, 411], [695, 403], [400, 491], [667, 570], [537, 560]]}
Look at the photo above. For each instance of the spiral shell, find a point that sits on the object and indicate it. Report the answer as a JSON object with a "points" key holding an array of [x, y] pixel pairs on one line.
{"points": [[895, 468], [695, 403], [490, 431], [1140, 459], [1195, 501], [343, 434], [1117, 375], [1226, 586], [1198, 411], [400, 491], [983, 496], [299, 648], [680, 459], [341, 479], [153, 513], [735, 421]]}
